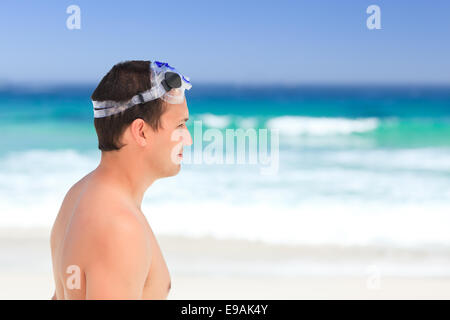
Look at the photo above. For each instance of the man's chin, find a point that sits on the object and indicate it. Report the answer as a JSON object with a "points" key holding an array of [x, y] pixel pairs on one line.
{"points": [[175, 170]]}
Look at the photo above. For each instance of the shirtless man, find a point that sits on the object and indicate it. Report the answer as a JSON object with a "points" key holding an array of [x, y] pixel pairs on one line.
{"points": [[102, 245]]}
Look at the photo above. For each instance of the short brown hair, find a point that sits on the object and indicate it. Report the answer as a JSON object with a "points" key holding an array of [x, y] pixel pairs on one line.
{"points": [[120, 84]]}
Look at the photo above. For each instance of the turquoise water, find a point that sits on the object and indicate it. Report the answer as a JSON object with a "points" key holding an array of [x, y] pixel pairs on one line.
{"points": [[407, 117], [357, 165]]}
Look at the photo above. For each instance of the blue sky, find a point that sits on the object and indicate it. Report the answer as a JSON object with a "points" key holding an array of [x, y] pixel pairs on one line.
{"points": [[290, 42]]}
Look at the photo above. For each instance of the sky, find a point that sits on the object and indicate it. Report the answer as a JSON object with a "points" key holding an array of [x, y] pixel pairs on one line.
{"points": [[249, 42]]}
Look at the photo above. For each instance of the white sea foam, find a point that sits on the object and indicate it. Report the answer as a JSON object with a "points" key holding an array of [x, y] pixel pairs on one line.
{"points": [[215, 121], [245, 123], [345, 224], [297, 125], [310, 201], [404, 159]]}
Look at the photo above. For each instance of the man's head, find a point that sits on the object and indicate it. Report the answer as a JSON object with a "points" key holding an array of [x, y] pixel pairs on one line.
{"points": [[153, 132]]}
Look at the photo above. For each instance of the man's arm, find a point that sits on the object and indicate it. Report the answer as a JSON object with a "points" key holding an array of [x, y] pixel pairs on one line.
{"points": [[118, 260]]}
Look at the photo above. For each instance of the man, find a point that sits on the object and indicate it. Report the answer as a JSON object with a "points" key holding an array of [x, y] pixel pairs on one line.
{"points": [[102, 245]]}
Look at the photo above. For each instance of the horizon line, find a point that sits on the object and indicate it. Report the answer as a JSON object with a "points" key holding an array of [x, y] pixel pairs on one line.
{"points": [[84, 84]]}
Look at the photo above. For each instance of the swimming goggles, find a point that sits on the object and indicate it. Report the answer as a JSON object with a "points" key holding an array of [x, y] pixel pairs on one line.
{"points": [[166, 83]]}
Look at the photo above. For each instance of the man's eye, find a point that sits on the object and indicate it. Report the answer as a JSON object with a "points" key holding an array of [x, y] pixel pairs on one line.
{"points": [[181, 125]]}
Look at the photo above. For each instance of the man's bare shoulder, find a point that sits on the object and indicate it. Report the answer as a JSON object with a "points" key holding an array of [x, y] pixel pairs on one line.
{"points": [[106, 228], [102, 209], [113, 233], [73, 194], [67, 208]]}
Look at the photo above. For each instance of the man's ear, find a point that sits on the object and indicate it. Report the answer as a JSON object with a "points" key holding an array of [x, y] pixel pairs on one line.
{"points": [[138, 130]]}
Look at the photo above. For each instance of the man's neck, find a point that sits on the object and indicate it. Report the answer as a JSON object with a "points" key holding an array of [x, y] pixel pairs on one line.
{"points": [[127, 175]]}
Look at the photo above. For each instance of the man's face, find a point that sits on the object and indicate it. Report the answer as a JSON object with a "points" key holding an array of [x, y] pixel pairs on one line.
{"points": [[165, 146]]}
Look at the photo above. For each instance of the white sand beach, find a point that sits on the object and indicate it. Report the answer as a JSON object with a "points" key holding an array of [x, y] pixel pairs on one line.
{"points": [[207, 268]]}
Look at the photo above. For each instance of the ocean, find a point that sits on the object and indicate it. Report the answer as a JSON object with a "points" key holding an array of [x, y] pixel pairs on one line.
{"points": [[358, 165]]}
